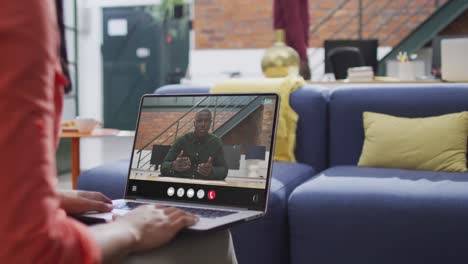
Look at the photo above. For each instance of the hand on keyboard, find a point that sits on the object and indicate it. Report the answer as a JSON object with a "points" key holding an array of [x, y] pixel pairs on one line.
{"points": [[152, 226]]}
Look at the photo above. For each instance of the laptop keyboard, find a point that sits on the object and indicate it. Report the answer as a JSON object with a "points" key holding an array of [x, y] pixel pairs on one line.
{"points": [[207, 213]]}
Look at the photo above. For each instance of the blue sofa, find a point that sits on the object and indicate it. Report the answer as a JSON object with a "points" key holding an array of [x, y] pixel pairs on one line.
{"points": [[325, 209], [350, 214]]}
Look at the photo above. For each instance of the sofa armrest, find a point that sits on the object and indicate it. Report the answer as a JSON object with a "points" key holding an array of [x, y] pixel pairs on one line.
{"points": [[310, 103]]}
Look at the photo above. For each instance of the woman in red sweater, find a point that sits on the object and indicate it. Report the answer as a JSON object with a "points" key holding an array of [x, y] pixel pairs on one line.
{"points": [[34, 224]]}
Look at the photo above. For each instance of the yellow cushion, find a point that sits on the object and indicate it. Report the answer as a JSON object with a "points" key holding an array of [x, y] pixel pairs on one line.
{"points": [[287, 123], [436, 143]]}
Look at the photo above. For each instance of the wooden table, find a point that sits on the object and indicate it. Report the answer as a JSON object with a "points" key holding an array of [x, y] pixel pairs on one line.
{"points": [[75, 137]]}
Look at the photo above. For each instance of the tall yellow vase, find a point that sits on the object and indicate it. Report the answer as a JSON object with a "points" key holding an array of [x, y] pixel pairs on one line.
{"points": [[280, 60]]}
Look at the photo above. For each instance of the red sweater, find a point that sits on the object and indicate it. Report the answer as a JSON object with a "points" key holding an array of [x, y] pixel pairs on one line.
{"points": [[293, 17], [33, 228]]}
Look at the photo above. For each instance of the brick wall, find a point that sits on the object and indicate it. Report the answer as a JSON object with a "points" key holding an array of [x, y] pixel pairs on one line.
{"points": [[247, 132], [267, 124], [239, 24], [247, 24], [254, 130], [154, 123]]}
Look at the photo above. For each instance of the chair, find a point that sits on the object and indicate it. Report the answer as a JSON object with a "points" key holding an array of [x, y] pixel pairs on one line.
{"points": [[232, 155], [158, 154], [255, 154], [342, 58]]}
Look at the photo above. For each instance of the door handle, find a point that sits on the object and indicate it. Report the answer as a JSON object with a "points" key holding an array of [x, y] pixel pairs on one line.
{"points": [[143, 68]]}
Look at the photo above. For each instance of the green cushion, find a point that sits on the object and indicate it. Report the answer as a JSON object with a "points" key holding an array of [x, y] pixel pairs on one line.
{"points": [[436, 143]]}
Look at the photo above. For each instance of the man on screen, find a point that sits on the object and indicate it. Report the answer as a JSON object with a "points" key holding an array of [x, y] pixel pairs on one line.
{"points": [[198, 154]]}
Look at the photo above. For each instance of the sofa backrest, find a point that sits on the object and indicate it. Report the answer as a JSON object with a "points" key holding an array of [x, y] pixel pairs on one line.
{"points": [[347, 103], [311, 105]]}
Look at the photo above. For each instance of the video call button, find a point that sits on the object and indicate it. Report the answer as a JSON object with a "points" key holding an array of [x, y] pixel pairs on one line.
{"points": [[211, 194], [180, 192], [170, 191], [190, 193], [200, 194]]}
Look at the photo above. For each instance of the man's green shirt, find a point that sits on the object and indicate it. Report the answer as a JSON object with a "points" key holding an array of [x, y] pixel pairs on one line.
{"points": [[198, 150]]}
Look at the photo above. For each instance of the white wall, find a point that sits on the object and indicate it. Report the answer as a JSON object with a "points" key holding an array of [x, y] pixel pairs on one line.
{"points": [[90, 95], [208, 66]]}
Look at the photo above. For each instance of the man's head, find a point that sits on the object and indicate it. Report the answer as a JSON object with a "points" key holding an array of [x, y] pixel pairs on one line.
{"points": [[202, 122]]}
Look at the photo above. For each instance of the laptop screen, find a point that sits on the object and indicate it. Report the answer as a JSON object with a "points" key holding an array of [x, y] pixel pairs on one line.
{"points": [[204, 149]]}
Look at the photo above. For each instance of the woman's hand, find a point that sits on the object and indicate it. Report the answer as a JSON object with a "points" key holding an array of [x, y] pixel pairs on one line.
{"points": [[78, 202], [153, 226]]}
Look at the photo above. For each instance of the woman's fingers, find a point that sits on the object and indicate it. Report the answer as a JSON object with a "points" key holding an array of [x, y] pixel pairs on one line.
{"points": [[181, 222], [97, 196], [101, 197], [87, 205]]}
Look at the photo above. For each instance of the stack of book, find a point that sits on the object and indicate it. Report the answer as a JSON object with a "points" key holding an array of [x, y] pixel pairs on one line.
{"points": [[364, 73]]}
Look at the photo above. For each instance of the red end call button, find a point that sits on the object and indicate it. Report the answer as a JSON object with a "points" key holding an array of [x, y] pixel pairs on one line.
{"points": [[211, 195]]}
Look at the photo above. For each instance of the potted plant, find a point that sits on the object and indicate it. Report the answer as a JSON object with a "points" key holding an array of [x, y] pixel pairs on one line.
{"points": [[173, 8]]}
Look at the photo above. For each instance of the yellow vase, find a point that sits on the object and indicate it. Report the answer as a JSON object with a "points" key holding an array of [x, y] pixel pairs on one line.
{"points": [[280, 60]]}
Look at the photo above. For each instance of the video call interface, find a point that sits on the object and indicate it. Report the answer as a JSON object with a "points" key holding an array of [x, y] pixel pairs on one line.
{"points": [[204, 149]]}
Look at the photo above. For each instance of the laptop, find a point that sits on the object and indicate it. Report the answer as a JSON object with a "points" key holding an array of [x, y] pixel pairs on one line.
{"points": [[454, 59], [193, 172]]}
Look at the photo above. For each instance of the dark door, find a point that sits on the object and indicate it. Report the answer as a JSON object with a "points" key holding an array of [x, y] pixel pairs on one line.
{"points": [[131, 50], [141, 52]]}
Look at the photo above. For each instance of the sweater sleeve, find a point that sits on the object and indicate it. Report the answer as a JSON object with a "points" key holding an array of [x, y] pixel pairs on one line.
{"points": [[166, 167], [34, 229], [220, 167]]}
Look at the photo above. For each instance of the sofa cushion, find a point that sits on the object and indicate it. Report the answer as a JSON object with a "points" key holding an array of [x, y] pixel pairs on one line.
{"points": [[436, 143], [267, 240], [349, 214], [109, 178], [347, 104]]}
